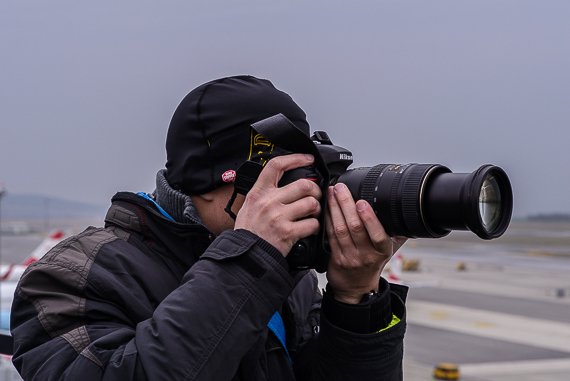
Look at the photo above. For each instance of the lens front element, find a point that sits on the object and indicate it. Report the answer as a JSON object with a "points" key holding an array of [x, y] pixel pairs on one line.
{"points": [[490, 203]]}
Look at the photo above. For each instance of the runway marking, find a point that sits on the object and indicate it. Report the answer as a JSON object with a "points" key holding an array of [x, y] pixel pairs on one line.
{"points": [[439, 315], [541, 253], [494, 325], [515, 367], [482, 324]]}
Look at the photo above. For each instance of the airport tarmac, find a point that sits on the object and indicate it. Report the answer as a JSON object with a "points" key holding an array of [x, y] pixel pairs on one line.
{"points": [[505, 316]]}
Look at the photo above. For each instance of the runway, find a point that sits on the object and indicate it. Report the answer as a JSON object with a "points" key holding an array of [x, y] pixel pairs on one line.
{"points": [[487, 345], [505, 317]]}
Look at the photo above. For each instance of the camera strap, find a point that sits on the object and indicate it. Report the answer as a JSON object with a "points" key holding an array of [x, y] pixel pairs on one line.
{"points": [[246, 176]]}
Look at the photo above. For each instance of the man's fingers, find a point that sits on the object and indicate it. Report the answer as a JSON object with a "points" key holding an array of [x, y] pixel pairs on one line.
{"points": [[353, 222], [306, 227], [373, 227], [274, 169], [298, 190], [340, 228], [378, 236], [330, 230], [356, 223], [305, 207]]}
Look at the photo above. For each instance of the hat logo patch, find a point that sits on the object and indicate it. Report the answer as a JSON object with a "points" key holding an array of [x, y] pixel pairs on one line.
{"points": [[229, 176], [260, 149]]}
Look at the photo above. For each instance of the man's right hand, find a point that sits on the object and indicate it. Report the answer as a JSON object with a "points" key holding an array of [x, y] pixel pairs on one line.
{"points": [[281, 216]]}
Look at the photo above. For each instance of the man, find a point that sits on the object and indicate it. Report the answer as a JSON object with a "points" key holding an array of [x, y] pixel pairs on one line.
{"points": [[172, 288]]}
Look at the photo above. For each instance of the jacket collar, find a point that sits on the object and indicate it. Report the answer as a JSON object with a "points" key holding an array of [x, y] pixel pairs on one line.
{"points": [[177, 204], [183, 242]]}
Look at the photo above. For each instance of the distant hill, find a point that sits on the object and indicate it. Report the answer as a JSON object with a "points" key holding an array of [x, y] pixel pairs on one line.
{"points": [[550, 217], [15, 206]]}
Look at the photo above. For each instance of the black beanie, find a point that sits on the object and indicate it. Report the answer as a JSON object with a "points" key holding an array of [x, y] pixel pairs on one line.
{"points": [[210, 136]]}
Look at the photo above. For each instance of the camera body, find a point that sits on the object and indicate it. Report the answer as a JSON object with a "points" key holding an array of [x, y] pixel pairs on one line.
{"points": [[314, 251]]}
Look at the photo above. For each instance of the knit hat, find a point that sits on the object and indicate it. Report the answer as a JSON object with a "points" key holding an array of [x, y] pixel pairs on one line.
{"points": [[210, 136]]}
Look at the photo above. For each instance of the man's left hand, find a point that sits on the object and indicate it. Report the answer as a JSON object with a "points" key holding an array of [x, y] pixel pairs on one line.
{"points": [[360, 248]]}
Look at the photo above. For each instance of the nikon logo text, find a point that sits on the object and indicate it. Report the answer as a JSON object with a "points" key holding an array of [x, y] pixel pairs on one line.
{"points": [[344, 156]]}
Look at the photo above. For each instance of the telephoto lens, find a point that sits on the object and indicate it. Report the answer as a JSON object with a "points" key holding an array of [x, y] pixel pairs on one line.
{"points": [[428, 200]]}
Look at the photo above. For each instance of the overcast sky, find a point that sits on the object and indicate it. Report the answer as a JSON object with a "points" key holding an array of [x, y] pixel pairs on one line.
{"points": [[88, 88]]}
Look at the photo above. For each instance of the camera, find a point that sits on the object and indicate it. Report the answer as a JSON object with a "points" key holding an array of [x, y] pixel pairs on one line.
{"points": [[411, 200], [424, 200]]}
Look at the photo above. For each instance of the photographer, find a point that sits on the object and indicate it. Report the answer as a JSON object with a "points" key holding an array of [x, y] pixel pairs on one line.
{"points": [[172, 288]]}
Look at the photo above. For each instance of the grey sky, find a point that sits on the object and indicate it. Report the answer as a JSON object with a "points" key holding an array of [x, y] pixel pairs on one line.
{"points": [[88, 88]]}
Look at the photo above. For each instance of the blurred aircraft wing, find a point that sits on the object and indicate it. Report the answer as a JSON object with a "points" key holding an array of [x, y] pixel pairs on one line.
{"points": [[13, 272]]}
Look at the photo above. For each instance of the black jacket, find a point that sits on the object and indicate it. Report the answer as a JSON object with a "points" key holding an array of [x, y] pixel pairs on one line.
{"points": [[149, 298]]}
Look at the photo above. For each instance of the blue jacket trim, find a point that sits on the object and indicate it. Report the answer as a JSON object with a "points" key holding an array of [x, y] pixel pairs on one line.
{"points": [[278, 328], [142, 194]]}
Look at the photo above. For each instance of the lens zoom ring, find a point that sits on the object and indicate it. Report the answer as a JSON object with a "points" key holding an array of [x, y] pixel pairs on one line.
{"points": [[411, 198], [369, 183], [394, 202]]}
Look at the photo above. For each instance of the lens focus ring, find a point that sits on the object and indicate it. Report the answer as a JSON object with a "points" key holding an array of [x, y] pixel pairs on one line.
{"points": [[369, 184]]}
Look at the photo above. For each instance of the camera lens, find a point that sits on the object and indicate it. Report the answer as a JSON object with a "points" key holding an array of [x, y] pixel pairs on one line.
{"points": [[490, 203], [428, 200]]}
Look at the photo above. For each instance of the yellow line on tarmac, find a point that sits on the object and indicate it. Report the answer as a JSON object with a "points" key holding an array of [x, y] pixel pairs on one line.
{"points": [[494, 325]]}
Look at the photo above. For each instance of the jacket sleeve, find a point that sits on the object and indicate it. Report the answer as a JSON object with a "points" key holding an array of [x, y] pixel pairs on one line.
{"points": [[200, 331], [357, 342]]}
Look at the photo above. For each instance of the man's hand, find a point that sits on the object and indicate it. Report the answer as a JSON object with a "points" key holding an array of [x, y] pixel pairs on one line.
{"points": [[360, 247], [281, 216]]}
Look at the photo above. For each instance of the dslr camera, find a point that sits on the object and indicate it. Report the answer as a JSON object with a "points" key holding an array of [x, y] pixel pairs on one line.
{"points": [[411, 200]]}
